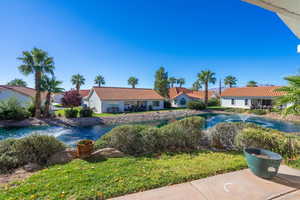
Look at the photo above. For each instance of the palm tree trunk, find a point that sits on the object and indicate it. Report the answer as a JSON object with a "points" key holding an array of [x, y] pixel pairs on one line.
{"points": [[47, 104], [206, 93], [133, 86], [38, 76], [77, 87]]}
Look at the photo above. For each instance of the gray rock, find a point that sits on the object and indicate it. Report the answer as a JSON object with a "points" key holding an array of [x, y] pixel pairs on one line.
{"points": [[31, 167], [108, 153], [62, 157]]}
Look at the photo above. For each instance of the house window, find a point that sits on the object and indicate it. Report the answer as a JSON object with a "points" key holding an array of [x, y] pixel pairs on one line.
{"points": [[155, 103], [246, 102], [182, 101], [232, 101]]}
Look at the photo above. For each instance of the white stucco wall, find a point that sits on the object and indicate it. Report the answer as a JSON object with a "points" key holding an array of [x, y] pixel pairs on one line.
{"points": [[239, 102], [176, 101], [108, 104], [23, 99], [150, 102], [94, 102], [57, 98]]}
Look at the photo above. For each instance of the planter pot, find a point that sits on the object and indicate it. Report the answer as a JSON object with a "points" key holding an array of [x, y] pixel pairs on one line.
{"points": [[263, 163], [85, 148]]}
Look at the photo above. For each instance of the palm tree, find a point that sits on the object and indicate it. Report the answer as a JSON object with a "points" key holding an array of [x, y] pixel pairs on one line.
{"points": [[172, 81], [50, 85], [99, 80], [292, 96], [77, 80], [36, 62], [133, 81], [180, 82], [205, 77], [17, 82], [230, 81], [252, 84], [196, 85]]}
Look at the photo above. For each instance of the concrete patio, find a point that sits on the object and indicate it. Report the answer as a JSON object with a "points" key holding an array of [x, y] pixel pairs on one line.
{"points": [[239, 185]]}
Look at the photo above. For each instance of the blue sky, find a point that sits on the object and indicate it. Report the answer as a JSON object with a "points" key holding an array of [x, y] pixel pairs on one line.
{"points": [[120, 38]]}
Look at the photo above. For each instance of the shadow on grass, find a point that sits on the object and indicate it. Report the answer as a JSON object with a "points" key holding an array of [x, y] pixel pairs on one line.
{"points": [[94, 159]]}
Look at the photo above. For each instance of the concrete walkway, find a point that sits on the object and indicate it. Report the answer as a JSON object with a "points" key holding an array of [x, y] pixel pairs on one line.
{"points": [[239, 185]]}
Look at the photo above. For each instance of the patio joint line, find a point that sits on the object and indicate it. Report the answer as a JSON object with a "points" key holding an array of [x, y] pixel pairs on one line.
{"points": [[283, 194], [198, 190]]}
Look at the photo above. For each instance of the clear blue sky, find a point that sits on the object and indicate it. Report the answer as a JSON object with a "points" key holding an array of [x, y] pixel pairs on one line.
{"points": [[119, 38]]}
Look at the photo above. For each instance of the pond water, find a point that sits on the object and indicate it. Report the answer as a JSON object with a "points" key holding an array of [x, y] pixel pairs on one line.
{"points": [[70, 135]]}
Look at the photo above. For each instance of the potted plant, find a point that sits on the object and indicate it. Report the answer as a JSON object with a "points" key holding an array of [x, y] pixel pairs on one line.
{"points": [[85, 148]]}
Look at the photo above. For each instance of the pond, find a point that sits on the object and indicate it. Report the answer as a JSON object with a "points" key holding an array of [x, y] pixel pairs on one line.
{"points": [[70, 135]]}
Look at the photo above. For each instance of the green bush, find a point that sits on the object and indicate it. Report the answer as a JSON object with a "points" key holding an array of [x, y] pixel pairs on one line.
{"points": [[8, 156], [214, 102], [71, 113], [86, 112], [258, 112], [37, 148], [236, 110], [180, 135], [12, 109], [196, 105], [285, 144]]}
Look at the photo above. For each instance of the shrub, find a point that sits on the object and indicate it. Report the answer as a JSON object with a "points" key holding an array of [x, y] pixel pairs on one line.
{"points": [[236, 110], [258, 112], [214, 102], [139, 139], [8, 157], [12, 109], [86, 112], [71, 113], [37, 148], [71, 99], [167, 104], [196, 105], [285, 144]]}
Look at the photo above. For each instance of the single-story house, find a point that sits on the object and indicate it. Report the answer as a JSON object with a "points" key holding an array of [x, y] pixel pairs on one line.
{"points": [[118, 99], [24, 95], [250, 97], [179, 97]]}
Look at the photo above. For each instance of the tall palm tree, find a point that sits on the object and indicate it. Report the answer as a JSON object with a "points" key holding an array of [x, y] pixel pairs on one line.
{"points": [[230, 81], [78, 80], [99, 80], [50, 85], [180, 82], [205, 77], [17, 82], [292, 96], [36, 62], [172, 81], [196, 85], [133, 81], [252, 84]]}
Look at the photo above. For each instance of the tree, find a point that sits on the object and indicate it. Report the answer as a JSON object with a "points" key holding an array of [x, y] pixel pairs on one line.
{"points": [[17, 82], [161, 84], [77, 80], [99, 80], [36, 62], [252, 84], [292, 96], [180, 82], [230, 81], [205, 77], [172, 81], [71, 99], [196, 85], [133, 81], [50, 85]]}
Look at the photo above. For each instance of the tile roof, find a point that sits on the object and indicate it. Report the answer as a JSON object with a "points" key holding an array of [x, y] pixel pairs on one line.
{"points": [[23, 90], [119, 93], [84, 93], [177, 91], [261, 91]]}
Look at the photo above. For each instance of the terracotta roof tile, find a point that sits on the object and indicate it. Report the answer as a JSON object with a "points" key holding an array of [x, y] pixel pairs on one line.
{"points": [[84, 93], [262, 91], [177, 91], [118, 93], [23, 90]]}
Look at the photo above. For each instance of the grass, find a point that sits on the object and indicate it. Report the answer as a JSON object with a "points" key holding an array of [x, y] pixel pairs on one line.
{"points": [[81, 179], [62, 112], [294, 163]]}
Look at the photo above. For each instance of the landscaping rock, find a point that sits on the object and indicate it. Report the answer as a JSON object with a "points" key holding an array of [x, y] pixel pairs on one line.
{"points": [[108, 153], [62, 157], [31, 167]]}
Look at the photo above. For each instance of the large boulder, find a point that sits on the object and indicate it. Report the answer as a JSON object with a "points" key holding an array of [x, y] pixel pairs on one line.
{"points": [[62, 157], [108, 153]]}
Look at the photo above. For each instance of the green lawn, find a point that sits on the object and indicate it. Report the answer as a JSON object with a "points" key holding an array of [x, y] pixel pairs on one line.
{"points": [[294, 163], [118, 176]]}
